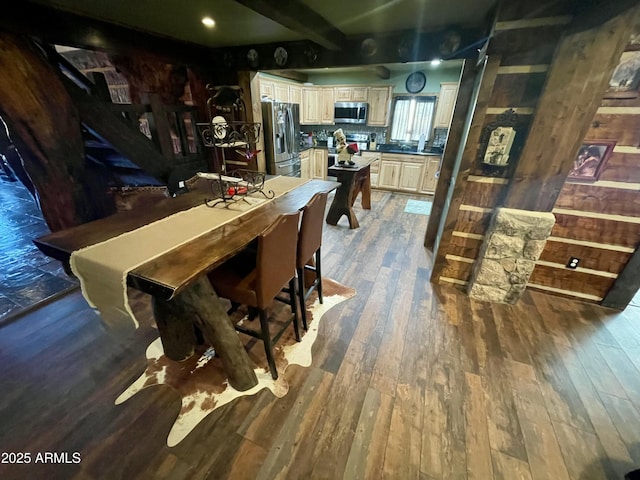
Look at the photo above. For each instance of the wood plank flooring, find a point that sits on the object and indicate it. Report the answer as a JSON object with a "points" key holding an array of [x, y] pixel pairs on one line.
{"points": [[409, 380]]}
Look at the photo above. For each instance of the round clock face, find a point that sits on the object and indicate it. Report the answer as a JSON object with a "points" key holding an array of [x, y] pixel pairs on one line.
{"points": [[416, 82], [280, 56]]}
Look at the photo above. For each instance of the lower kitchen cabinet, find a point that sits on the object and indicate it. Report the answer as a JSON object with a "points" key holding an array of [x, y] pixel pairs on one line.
{"points": [[431, 172], [410, 176], [305, 164], [389, 174], [374, 158], [407, 173], [320, 161]]}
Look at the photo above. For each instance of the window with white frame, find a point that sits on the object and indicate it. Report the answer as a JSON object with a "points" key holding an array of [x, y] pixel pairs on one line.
{"points": [[412, 116]]}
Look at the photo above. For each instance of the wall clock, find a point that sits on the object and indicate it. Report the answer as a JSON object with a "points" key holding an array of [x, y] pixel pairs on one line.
{"points": [[416, 82]]}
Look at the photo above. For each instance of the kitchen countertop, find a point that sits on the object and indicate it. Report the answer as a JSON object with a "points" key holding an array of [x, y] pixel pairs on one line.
{"points": [[332, 151]]}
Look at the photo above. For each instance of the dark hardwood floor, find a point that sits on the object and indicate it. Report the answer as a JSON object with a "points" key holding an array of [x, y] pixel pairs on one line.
{"points": [[409, 380]]}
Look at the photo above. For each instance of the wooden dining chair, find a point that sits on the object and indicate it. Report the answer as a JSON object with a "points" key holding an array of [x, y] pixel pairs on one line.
{"points": [[255, 279], [309, 243]]}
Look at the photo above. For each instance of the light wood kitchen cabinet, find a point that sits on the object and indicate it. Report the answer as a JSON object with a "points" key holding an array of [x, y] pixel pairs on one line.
{"points": [[389, 176], [410, 176], [445, 105], [379, 106], [281, 92], [267, 90], [311, 106], [320, 161], [328, 100], [431, 173], [359, 94], [351, 94], [343, 94], [295, 94], [305, 164], [374, 157], [407, 173]]}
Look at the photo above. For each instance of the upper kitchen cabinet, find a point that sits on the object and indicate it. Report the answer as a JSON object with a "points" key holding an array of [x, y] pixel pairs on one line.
{"points": [[295, 94], [328, 100], [267, 89], [281, 91], [311, 106], [446, 103], [379, 106], [351, 94]]}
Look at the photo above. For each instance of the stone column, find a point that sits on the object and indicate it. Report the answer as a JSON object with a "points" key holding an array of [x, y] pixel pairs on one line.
{"points": [[513, 242]]}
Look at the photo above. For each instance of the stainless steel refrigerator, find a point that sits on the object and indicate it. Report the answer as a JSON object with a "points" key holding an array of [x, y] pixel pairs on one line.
{"points": [[281, 127]]}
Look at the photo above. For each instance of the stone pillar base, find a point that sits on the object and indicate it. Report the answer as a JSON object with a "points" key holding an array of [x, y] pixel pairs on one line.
{"points": [[514, 241]]}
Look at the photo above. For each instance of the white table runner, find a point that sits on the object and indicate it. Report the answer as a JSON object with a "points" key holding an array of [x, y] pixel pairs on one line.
{"points": [[103, 268]]}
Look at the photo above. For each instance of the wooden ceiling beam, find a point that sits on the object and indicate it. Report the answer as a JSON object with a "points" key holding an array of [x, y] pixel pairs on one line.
{"points": [[290, 74], [382, 72], [298, 17]]}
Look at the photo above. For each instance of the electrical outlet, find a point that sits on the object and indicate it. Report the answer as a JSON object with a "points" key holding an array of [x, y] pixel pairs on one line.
{"points": [[573, 263]]}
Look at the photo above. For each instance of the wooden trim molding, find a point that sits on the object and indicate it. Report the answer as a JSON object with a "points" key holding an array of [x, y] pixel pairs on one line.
{"points": [[604, 216], [590, 271], [534, 22], [517, 69], [626, 149], [610, 184], [473, 236], [565, 292], [473, 208], [481, 179], [518, 110], [457, 258], [619, 110], [455, 281], [584, 243]]}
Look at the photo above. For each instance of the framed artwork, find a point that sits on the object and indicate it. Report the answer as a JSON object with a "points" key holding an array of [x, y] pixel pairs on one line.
{"points": [[625, 81], [591, 160]]}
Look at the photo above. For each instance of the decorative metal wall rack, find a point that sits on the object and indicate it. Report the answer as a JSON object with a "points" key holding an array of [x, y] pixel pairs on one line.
{"points": [[228, 126], [229, 189]]}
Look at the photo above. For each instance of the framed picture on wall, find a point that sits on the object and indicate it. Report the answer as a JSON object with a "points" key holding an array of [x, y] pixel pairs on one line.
{"points": [[591, 160], [625, 81]]}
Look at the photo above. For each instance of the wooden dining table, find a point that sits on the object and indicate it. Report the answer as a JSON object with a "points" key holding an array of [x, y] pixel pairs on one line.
{"points": [[177, 279]]}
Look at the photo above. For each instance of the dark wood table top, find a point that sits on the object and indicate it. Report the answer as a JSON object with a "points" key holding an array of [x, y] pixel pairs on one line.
{"points": [[170, 273], [360, 163]]}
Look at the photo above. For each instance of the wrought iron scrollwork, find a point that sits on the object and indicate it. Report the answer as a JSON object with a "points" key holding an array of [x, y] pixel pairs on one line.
{"points": [[236, 187]]}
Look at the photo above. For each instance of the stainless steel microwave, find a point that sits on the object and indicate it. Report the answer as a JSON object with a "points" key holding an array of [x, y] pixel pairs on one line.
{"points": [[350, 112]]}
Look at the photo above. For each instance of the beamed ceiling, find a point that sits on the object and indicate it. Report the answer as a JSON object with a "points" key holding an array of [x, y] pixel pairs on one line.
{"points": [[315, 33], [247, 22]]}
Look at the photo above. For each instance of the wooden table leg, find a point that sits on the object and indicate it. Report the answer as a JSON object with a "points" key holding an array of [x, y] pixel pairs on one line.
{"points": [[362, 184], [200, 304], [342, 202], [176, 329]]}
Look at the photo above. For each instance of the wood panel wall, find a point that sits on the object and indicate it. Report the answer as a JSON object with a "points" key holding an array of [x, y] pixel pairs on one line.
{"points": [[597, 222], [524, 40]]}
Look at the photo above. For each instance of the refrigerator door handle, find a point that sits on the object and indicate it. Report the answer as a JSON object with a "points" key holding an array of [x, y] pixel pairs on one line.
{"points": [[292, 131]]}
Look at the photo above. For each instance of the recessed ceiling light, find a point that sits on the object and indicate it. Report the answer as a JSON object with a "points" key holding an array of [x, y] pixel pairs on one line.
{"points": [[436, 61], [208, 22]]}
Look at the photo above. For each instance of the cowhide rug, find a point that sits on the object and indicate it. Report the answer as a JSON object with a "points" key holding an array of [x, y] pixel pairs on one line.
{"points": [[201, 381]]}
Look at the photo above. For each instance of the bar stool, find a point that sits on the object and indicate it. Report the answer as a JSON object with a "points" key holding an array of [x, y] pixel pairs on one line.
{"points": [[309, 243], [256, 280]]}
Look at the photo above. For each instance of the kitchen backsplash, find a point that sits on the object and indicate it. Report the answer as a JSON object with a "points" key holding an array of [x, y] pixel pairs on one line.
{"points": [[322, 132]]}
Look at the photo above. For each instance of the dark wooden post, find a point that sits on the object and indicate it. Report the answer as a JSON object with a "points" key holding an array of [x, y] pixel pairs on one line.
{"points": [[45, 123]]}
